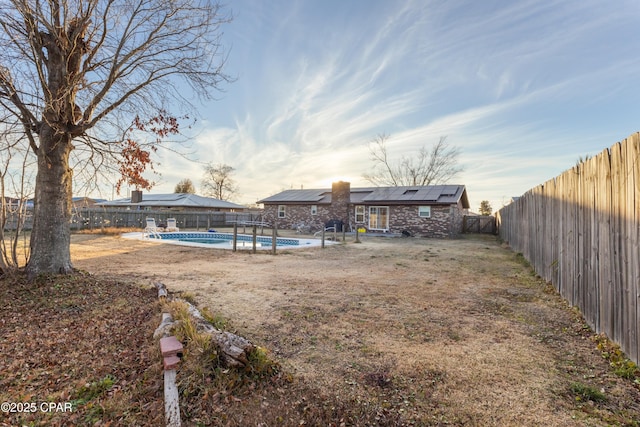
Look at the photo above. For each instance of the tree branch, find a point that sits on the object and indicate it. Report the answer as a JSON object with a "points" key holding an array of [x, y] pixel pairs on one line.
{"points": [[435, 166]]}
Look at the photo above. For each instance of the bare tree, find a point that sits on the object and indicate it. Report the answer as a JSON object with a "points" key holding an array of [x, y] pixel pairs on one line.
{"points": [[435, 165], [218, 183], [16, 161], [185, 186], [82, 75]]}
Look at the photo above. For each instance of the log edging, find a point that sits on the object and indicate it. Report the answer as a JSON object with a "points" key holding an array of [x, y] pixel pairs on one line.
{"points": [[171, 351], [234, 351]]}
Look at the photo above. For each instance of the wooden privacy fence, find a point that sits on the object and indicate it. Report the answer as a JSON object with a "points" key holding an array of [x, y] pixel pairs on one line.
{"points": [[91, 218], [581, 231], [479, 224]]}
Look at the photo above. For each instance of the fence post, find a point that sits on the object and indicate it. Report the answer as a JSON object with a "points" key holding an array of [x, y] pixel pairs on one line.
{"points": [[322, 237], [255, 237], [235, 236], [274, 241]]}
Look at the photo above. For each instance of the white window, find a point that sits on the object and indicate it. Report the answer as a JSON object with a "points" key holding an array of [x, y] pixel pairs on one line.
{"points": [[359, 213], [314, 209], [379, 218], [281, 211], [424, 211]]}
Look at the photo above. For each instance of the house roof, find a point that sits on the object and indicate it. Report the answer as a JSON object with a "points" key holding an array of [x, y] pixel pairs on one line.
{"points": [[87, 199], [300, 196], [430, 194], [183, 200]]}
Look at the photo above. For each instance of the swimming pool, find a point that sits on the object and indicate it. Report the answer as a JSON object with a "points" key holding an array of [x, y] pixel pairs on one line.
{"points": [[224, 240]]}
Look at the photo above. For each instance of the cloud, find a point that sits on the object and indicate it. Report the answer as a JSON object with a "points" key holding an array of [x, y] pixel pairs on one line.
{"points": [[521, 87]]}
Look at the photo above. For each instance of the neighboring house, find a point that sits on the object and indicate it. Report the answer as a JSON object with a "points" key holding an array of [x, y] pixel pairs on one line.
{"points": [[85, 202], [430, 211], [12, 203], [174, 202], [77, 202]]}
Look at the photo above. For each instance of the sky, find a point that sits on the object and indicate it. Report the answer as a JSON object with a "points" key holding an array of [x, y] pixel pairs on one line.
{"points": [[523, 89]]}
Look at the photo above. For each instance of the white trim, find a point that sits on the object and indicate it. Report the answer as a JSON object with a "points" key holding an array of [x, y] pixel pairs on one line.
{"points": [[428, 211]]}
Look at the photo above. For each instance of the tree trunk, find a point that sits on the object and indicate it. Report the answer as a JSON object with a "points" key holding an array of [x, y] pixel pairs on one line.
{"points": [[51, 234]]}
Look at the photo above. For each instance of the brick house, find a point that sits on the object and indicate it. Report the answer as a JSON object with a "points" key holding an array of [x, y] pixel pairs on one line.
{"points": [[429, 211]]}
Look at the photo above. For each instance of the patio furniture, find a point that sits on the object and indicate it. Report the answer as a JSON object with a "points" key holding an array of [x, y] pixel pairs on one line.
{"points": [[171, 225]]}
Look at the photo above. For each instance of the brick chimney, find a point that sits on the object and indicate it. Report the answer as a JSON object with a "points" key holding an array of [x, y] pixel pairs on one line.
{"points": [[136, 196], [340, 199]]}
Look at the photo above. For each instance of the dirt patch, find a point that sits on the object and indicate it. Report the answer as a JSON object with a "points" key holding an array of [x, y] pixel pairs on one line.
{"points": [[389, 331]]}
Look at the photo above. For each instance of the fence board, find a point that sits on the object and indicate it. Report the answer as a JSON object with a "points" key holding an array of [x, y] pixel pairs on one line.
{"points": [[605, 255], [555, 239], [581, 231], [636, 237], [631, 156], [616, 229]]}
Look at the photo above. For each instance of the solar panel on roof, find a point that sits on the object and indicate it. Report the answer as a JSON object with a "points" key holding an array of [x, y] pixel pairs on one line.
{"points": [[298, 196], [450, 190], [431, 194], [416, 194]]}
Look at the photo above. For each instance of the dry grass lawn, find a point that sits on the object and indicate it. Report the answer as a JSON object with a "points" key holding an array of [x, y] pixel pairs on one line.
{"points": [[385, 332]]}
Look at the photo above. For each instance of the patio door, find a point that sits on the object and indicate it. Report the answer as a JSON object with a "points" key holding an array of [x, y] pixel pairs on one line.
{"points": [[378, 218]]}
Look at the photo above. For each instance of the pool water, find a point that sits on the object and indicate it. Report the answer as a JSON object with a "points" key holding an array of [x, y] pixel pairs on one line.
{"points": [[242, 240], [241, 243], [225, 240], [205, 241]]}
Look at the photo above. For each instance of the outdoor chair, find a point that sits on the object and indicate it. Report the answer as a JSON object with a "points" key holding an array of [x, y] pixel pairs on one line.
{"points": [[151, 227], [171, 225]]}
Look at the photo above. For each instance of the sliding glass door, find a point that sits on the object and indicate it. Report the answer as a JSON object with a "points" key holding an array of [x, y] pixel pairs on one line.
{"points": [[378, 218]]}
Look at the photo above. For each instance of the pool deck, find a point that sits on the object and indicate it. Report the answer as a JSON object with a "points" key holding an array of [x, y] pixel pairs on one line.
{"points": [[245, 241]]}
